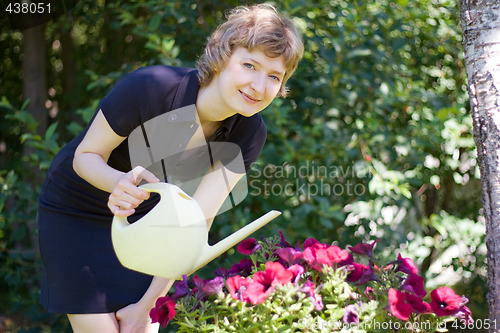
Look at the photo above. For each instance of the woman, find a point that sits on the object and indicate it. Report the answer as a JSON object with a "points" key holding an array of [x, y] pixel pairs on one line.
{"points": [[246, 64]]}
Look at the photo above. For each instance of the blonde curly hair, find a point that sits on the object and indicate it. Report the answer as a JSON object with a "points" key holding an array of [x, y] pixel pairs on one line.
{"points": [[256, 27]]}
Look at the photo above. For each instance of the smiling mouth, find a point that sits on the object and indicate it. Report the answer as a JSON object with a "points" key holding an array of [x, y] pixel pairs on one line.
{"points": [[248, 97]]}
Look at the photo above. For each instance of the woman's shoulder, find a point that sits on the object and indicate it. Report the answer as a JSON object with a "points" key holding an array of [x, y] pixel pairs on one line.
{"points": [[159, 74]]}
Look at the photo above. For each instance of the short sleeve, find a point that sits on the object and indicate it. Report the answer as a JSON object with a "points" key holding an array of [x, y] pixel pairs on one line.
{"points": [[250, 134], [251, 151], [139, 96]]}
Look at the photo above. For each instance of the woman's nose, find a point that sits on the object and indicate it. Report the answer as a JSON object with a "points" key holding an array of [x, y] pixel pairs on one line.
{"points": [[258, 84]]}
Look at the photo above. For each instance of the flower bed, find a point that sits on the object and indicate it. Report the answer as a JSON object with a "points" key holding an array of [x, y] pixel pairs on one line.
{"points": [[310, 287]]}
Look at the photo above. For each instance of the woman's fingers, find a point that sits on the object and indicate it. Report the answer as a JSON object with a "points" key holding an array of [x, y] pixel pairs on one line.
{"points": [[139, 173], [126, 196]]}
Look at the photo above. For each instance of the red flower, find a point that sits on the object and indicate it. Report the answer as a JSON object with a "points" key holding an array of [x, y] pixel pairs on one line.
{"points": [[364, 248], [248, 246], [414, 284], [237, 287], [417, 303], [445, 302], [397, 304], [163, 312], [406, 265]]}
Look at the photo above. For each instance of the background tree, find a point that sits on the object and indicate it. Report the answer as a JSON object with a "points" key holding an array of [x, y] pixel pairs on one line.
{"points": [[481, 30]]}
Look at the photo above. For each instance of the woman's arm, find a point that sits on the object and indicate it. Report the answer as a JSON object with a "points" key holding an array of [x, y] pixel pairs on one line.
{"points": [[90, 163], [214, 189]]}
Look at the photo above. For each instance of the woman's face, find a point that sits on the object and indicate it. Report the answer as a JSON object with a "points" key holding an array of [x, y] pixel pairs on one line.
{"points": [[250, 81]]}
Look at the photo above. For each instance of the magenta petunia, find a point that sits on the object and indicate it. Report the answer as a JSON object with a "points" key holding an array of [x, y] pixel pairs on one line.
{"points": [[414, 284], [243, 267], [310, 242], [356, 272], [289, 255], [417, 304], [364, 248], [406, 265], [181, 288], [283, 243], [163, 312], [248, 246], [397, 304], [368, 275], [445, 302]]}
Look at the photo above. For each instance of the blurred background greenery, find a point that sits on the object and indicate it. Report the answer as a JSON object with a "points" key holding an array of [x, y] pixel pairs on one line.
{"points": [[374, 140]]}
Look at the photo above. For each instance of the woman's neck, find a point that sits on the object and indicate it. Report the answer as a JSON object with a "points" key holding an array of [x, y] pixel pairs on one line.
{"points": [[210, 106]]}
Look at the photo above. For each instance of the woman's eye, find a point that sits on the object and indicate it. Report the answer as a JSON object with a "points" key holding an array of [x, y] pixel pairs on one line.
{"points": [[274, 77], [247, 65]]}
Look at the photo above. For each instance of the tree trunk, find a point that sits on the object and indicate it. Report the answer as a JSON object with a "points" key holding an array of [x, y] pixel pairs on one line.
{"points": [[35, 89], [35, 74], [480, 21]]}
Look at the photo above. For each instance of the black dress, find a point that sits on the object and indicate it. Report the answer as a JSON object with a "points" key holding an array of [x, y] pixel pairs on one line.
{"points": [[81, 271]]}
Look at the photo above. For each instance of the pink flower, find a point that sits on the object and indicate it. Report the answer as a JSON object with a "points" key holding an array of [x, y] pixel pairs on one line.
{"points": [[309, 289], [414, 284], [319, 254], [445, 302], [417, 304], [369, 292], [464, 315], [406, 265], [297, 271], [264, 282], [289, 255], [248, 246], [237, 287], [364, 248], [397, 305], [163, 312]]}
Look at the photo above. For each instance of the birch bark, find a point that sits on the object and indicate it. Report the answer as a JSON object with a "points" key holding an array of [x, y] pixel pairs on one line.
{"points": [[480, 22]]}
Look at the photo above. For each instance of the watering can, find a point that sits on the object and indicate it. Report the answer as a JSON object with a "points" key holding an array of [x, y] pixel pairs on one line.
{"points": [[171, 240]]}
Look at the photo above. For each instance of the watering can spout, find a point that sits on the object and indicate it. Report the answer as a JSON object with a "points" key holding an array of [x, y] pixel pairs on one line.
{"points": [[210, 252]]}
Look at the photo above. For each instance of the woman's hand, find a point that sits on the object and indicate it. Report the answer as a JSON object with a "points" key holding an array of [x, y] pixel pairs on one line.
{"points": [[126, 196], [135, 319]]}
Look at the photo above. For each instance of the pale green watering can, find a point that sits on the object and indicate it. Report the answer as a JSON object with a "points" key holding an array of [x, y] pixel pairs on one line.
{"points": [[172, 239]]}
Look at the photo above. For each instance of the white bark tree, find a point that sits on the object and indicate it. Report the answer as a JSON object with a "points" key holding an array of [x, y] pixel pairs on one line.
{"points": [[480, 21]]}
